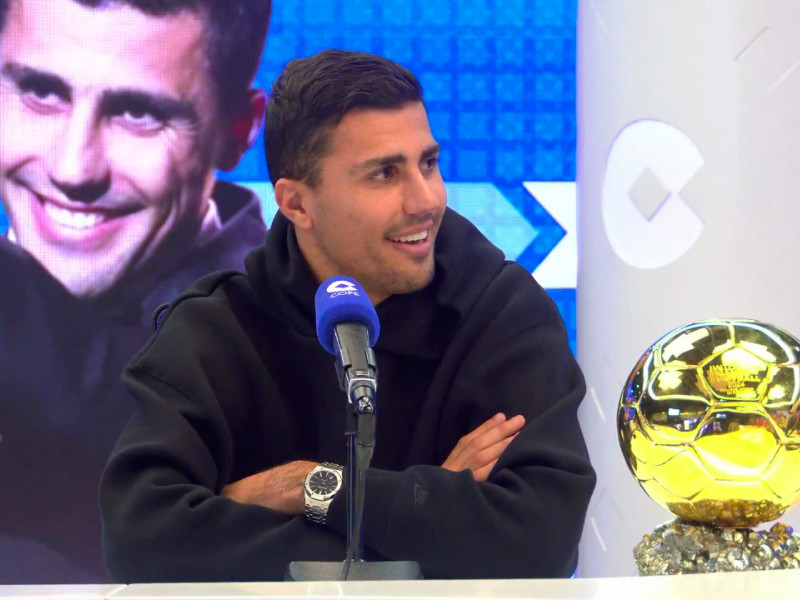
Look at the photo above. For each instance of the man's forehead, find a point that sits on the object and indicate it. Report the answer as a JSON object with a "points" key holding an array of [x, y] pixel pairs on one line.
{"points": [[366, 133], [108, 48]]}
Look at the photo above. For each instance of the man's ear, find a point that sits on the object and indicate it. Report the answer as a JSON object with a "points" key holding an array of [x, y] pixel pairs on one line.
{"points": [[244, 127], [294, 199]]}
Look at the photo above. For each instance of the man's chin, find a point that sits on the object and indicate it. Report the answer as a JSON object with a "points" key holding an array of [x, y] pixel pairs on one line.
{"points": [[83, 274], [88, 289], [82, 284], [413, 282]]}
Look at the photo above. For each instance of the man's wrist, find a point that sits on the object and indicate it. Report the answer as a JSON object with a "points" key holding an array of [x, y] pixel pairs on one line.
{"points": [[279, 488]]}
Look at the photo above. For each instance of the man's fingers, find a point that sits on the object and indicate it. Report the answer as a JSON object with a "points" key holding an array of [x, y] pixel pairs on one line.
{"points": [[487, 425], [492, 436], [481, 429], [489, 457], [484, 444], [482, 474], [493, 452]]}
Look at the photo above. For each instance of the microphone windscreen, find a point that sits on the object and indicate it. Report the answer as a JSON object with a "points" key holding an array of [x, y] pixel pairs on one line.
{"points": [[342, 299]]}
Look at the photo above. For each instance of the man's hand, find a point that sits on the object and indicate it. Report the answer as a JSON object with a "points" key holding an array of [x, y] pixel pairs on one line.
{"points": [[479, 450], [279, 488]]}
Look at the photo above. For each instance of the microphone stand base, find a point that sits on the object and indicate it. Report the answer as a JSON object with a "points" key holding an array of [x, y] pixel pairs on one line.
{"points": [[359, 571]]}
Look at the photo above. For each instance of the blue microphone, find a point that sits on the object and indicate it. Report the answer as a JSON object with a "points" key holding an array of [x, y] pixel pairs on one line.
{"points": [[342, 299], [348, 327]]}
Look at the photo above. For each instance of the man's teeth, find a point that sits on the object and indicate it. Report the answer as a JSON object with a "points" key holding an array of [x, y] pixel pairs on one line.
{"points": [[417, 237], [77, 220]]}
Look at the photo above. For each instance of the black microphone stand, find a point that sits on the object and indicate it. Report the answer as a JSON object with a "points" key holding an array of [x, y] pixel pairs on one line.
{"points": [[358, 378], [360, 433]]}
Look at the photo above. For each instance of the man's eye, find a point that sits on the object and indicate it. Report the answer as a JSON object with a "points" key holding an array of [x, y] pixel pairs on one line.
{"points": [[42, 99], [140, 120], [430, 163], [383, 173]]}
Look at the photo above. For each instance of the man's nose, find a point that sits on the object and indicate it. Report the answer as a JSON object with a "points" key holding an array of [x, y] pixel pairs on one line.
{"points": [[80, 165], [423, 193]]}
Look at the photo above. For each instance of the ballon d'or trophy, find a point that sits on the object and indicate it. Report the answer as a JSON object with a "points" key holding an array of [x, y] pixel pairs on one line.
{"points": [[708, 424]]}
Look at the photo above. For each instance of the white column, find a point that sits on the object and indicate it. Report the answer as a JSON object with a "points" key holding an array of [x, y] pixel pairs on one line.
{"points": [[688, 200]]}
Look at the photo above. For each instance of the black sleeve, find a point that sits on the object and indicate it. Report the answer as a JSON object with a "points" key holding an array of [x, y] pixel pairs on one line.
{"points": [[526, 520], [163, 517]]}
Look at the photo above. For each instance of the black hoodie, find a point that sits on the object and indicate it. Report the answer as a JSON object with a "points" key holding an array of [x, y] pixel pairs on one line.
{"points": [[236, 382]]}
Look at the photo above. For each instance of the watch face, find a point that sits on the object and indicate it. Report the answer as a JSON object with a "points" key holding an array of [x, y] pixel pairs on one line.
{"points": [[323, 484]]}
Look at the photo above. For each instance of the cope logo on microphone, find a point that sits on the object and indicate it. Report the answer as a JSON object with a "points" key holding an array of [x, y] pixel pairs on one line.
{"points": [[342, 288]]}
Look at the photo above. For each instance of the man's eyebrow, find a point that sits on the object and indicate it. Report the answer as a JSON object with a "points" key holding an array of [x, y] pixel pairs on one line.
{"points": [[393, 159], [163, 107], [380, 161], [28, 77], [431, 150]]}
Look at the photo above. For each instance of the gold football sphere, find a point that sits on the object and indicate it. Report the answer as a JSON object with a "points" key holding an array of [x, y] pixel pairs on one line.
{"points": [[708, 422]]}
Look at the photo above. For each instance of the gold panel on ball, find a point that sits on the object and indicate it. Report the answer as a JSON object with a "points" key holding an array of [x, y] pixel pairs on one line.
{"points": [[708, 422]]}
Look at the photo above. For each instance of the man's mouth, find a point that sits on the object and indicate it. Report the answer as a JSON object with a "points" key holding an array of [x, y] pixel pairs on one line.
{"points": [[82, 227], [414, 238], [74, 219]]}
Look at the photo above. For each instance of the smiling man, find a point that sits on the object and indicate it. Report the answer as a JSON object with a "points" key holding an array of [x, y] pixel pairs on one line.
{"points": [[114, 117], [112, 129], [479, 470], [361, 222]]}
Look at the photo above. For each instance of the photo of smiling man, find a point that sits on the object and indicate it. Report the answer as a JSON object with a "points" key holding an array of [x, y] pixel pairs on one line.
{"points": [[114, 118]]}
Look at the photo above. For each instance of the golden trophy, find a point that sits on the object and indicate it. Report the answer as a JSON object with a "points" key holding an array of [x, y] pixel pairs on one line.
{"points": [[708, 424]]}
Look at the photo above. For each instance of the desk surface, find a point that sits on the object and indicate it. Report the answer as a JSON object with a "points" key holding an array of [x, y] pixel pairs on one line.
{"points": [[728, 586]]}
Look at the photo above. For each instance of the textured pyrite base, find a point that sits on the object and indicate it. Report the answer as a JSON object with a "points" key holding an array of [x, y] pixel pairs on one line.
{"points": [[678, 547]]}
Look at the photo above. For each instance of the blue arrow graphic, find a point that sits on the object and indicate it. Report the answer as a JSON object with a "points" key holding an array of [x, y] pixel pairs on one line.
{"points": [[548, 231]]}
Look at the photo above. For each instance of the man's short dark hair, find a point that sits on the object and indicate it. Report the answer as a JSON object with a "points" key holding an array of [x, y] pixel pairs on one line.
{"points": [[235, 40], [311, 97]]}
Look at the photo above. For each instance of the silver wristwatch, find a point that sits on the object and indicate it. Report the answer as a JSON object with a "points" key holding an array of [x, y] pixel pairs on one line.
{"points": [[319, 487]]}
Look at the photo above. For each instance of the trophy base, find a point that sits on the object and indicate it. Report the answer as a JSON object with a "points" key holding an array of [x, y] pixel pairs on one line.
{"points": [[678, 547]]}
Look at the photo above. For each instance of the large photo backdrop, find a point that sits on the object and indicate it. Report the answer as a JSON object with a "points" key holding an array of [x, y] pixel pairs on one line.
{"points": [[104, 216]]}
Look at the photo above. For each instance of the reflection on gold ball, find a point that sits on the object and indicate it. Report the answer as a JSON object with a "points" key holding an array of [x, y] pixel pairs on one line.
{"points": [[708, 422]]}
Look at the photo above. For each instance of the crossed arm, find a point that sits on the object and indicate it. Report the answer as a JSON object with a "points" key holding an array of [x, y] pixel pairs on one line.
{"points": [[280, 488]]}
